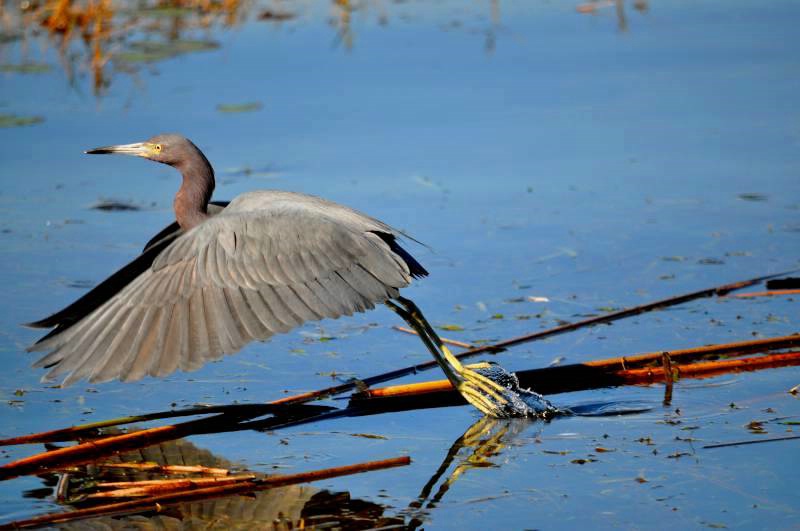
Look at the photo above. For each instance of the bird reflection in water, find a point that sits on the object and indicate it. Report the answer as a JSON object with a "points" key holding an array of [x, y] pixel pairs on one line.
{"points": [[482, 441], [282, 508]]}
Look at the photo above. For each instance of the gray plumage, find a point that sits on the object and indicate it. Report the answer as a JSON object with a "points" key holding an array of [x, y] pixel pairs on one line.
{"points": [[266, 263]]}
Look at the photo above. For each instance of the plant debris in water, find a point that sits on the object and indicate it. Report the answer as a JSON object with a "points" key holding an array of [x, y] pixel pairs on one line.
{"points": [[239, 107], [276, 16], [753, 197], [711, 261], [14, 120], [26, 68], [152, 51], [114, 205]]}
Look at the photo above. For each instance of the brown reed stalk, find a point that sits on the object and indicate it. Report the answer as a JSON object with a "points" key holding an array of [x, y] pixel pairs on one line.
{"points": [[154, 503]]}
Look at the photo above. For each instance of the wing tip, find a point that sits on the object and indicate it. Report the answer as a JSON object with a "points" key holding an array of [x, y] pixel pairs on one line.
{"points": [[47, 322], [414, 268]]}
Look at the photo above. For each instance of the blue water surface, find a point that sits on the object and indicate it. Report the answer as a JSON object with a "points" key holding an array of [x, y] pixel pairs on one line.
{"points": [[600, 160]]}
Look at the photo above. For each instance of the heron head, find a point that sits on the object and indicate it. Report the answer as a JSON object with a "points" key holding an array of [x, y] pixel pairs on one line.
{"points": [[169, 149]]}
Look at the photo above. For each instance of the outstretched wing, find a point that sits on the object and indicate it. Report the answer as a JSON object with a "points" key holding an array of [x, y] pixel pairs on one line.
{"points": [[269, 262], [63, 319]]}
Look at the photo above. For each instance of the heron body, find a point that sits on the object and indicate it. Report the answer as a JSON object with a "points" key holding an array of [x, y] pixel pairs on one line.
{"points": [[224, 275]]}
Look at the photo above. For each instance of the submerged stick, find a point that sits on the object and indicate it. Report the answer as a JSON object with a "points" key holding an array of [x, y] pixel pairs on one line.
{"points": [[771, 293], [569, 378], [83, 430], [723, 289], [720, 290], [753, 441], [154, 503]]}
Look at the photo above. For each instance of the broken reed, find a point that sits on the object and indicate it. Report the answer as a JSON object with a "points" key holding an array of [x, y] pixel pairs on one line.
{"points": [[245, 486]]}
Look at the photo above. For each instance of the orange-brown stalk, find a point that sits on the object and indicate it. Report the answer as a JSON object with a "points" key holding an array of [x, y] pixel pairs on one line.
{"points": [[154, 503]]}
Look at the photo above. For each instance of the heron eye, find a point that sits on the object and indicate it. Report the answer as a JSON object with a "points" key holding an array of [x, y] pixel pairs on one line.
{"points": [[157, 147]]}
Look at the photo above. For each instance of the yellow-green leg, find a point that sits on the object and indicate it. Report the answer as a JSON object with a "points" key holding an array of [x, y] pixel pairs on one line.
{"points": [[486, 395]]}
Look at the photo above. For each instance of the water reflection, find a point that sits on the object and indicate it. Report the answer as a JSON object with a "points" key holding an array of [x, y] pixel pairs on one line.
{"points": [[103, 39], [596, 6], [482, 441], [291, 507]]}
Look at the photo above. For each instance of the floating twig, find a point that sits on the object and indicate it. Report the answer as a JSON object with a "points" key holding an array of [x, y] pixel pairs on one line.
{"points": [[92, 429], [752, 441], [569, 378], [153, 487], [155, 503], [453, 342], [772, 293], [168, 469]]}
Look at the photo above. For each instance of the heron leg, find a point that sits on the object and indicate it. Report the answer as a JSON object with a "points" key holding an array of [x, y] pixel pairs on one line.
{"points": [[485, 394]]}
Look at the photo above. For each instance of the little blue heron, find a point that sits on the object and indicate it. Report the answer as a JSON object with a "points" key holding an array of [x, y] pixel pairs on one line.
{"points": [[225, 274]]}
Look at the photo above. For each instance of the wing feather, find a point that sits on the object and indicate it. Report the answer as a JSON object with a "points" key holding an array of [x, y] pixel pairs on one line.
{"points": [[152, 338], [120, 348], [261, 310], [267, 263], [200, 344], [94, 352], [282, 316], [252, 328], [175, 342]]}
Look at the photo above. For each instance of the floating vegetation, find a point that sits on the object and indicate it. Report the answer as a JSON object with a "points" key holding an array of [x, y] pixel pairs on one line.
{"points": [[711, 261], [14, 120], [233, 108], [80, 284], [25, 68], [114, 205], [247, 171], [534, 298], [272, 15], [6, 38], [756, 197], [153, 51]]}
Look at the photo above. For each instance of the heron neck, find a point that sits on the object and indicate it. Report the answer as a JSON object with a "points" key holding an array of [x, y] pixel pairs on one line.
{"points": [[192, 199]]}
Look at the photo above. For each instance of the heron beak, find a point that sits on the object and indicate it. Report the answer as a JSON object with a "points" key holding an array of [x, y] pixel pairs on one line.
{"points": [[139, 149]]}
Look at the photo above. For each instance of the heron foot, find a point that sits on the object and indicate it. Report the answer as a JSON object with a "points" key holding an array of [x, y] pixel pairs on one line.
{"points": [[496, 392], [485, 385]]}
